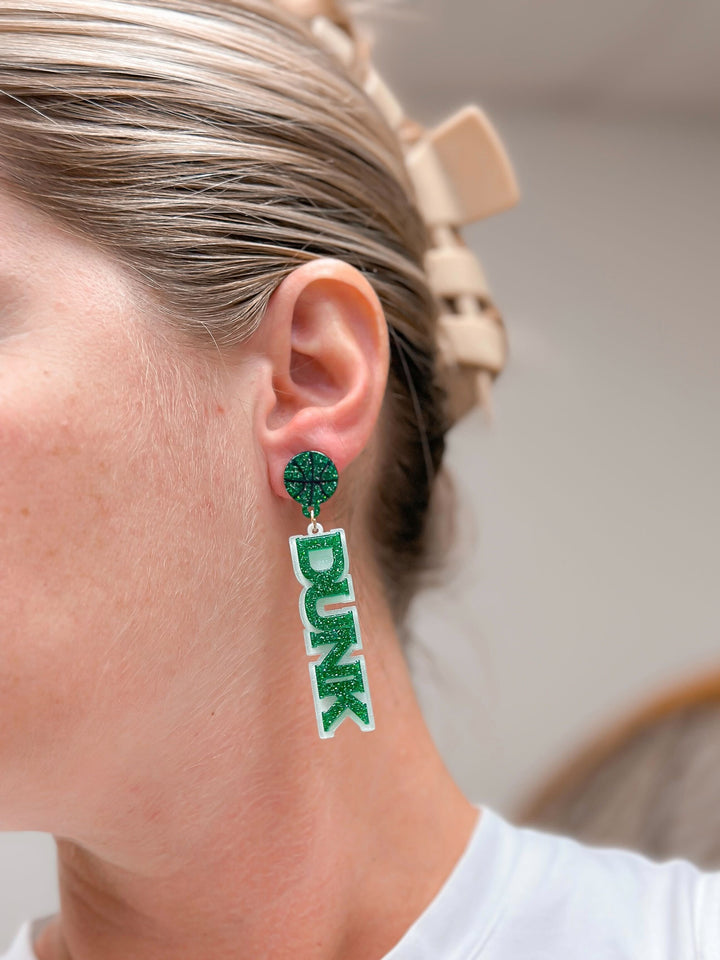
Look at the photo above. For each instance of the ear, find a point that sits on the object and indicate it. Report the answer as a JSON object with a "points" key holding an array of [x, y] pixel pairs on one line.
{"points": [[325, 339]]}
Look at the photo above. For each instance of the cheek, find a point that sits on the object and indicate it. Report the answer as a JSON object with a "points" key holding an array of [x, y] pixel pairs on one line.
{"points": [[52, 508], [92, 554], [56, 515]]}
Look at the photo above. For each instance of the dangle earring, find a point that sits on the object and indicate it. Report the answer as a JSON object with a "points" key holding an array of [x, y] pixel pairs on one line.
{"points": [[338, 676]]}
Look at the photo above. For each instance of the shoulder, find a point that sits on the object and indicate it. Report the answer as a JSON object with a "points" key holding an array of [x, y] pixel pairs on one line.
{"points": [[607, 902], [21, 946]]}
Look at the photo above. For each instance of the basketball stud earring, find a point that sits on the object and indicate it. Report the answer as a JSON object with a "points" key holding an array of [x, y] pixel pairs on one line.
{"points": [[338, 675]]}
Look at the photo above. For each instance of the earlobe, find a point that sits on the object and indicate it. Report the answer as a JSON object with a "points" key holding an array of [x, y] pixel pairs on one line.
{"points": [[325, 336]]}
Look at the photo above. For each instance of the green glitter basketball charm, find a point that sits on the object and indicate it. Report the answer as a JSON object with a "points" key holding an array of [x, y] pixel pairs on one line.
{"points": [[311, 478]]}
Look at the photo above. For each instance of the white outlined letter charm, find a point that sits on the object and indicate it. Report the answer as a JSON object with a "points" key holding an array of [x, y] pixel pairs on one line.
{"points": [[338, 675]]}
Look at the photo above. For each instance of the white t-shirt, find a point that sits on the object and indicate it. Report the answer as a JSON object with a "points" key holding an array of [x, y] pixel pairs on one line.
{"points": [[518, 893]]}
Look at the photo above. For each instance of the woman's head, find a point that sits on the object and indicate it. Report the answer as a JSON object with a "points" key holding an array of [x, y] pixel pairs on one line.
{"points": [[209, 260], [212, 147]]}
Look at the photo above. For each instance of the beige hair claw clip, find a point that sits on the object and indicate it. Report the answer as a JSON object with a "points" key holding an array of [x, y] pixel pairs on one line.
{"points": [[461, 173]]}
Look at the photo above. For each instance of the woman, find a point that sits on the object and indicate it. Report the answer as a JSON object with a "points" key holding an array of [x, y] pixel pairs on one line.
{"points": [[210, 262]]}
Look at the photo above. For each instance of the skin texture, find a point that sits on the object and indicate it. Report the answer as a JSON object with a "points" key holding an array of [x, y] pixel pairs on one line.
{"points": [[154, 693]]}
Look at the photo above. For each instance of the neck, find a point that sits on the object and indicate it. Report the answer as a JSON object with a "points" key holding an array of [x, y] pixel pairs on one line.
{"points": [[271, 843]]}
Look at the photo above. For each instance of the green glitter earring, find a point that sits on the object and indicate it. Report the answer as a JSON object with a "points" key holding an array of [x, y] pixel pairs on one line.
{"points": [[338, 676], [311, 478]]}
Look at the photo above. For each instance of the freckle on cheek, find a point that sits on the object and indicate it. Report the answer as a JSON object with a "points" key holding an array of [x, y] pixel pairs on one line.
{"points": [[25, 511], [64, 451]]}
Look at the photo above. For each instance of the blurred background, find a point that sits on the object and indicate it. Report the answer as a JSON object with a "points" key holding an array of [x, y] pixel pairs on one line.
{"points": [[591, 575], [587, 578]]}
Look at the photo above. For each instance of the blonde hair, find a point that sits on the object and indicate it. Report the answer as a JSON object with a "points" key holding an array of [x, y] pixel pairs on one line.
{"points": [[212, 147]]}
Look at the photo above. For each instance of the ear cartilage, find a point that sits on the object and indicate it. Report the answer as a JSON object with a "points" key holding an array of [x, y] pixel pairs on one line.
{"points": [[459, 172]]}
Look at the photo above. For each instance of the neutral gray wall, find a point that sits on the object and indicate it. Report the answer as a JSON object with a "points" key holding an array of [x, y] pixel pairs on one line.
{"points": [[592, 576], [27, 880], [592, 581]]}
